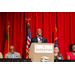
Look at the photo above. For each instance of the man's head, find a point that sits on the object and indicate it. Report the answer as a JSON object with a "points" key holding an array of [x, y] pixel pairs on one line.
{"points": [[11, 48], [39, 32], [56, 50]]}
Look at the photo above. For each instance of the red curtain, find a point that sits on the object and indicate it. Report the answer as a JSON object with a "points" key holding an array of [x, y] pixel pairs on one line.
{"points": [[45, 21]]}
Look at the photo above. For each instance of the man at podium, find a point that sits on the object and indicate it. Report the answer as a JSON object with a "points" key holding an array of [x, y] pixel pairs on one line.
{"points": [[38, 38]]}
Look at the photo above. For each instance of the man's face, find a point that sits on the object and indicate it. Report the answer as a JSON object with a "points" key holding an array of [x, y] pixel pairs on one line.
{"points": [[11, 49], [39, 32], [56, 50]]}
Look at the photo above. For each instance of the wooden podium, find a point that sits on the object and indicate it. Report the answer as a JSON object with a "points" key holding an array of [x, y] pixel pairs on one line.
{"points": [[38, 50]]}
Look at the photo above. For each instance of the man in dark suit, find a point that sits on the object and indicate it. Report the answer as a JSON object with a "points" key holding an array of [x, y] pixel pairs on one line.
{"points": [[38, 38]]}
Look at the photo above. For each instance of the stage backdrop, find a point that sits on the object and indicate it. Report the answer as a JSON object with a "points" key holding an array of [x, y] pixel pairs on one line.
{"points": [[45, 21]]}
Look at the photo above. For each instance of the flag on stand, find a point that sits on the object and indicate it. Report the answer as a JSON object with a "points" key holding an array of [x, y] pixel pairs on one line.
{"points": [[55, 37], [28, 41], [7, 43]]}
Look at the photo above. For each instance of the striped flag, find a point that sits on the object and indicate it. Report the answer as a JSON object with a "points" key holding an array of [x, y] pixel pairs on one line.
{"points": [[55, 37], [28, 41], [7, 42]]}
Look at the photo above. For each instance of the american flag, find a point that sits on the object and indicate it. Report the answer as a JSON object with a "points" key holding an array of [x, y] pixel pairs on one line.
{"points": [[28, 41]]}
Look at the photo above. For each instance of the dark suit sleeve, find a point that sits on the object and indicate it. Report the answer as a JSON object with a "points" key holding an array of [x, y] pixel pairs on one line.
{"points": [[46, 40]]}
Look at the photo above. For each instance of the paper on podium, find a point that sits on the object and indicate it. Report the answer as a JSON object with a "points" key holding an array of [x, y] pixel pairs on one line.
{"points": [[44, 59]]}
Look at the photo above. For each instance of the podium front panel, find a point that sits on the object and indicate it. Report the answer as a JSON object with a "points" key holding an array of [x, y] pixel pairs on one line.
{"points": [[38, 50]]}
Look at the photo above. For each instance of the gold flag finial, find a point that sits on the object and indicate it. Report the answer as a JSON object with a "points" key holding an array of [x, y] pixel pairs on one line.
{"points": [[28, 19]]}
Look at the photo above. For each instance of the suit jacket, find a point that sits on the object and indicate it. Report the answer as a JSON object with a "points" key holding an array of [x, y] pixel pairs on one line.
{"points": [[8, 55], [1, 56], [34, 40]]}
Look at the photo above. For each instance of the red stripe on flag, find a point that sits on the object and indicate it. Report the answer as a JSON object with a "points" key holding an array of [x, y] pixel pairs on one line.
{"points": [[26, 48], [27, 44], [28, 40]]}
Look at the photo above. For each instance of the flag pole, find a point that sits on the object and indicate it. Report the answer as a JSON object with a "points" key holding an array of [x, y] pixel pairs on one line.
{"points": [[8, 37]]}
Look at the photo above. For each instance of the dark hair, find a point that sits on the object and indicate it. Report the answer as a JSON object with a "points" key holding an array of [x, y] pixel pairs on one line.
{"points": [[70, 47]]}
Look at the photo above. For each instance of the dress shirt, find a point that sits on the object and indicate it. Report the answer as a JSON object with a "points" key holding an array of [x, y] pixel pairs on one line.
{"points": [[39, 38], [13, 54]]}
